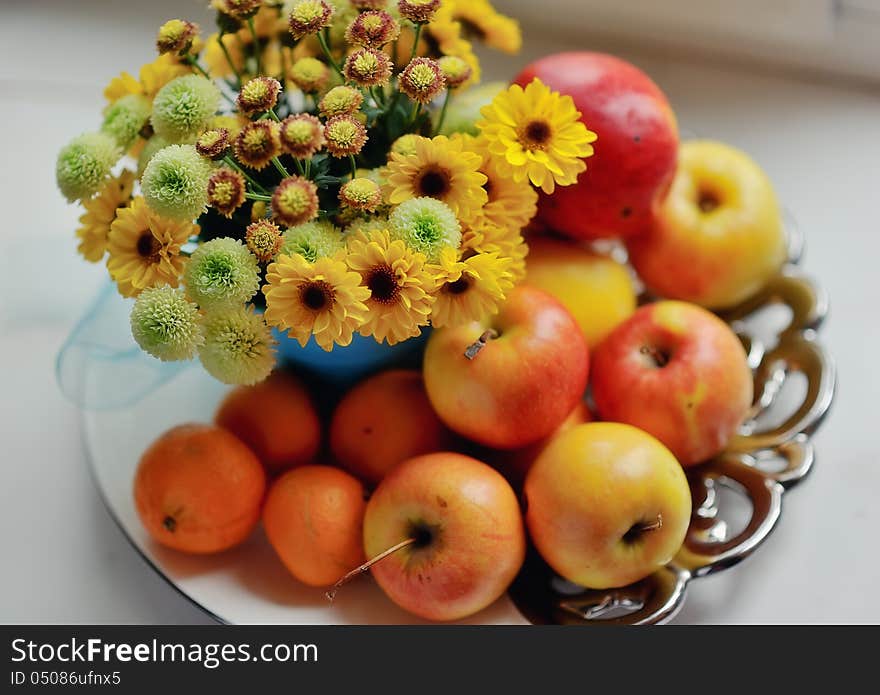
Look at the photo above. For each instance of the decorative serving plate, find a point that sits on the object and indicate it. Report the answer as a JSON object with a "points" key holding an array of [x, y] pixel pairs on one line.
{"points": [[737, 497]]}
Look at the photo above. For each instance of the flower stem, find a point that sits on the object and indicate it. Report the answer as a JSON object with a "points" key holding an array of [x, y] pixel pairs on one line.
{"points": [[414, 116], [229, 60], [322, 39], [274, 116], [443, 111], [258, 196], [191, 59], [415, 46], [280, 167], [257, 51], [353, 166], [232, 163]]}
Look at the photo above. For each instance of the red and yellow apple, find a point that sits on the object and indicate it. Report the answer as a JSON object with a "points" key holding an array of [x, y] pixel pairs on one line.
{"points": [[635, 152], [384, 420], [468, 540], [596, 289], [717, 238], [607, 505], [678, 372], [527, 377]]}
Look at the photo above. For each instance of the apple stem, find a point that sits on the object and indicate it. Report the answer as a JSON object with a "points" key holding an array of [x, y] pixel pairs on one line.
{"points": [[331, 592], [474, 348], [650, 525], [661, 359]]}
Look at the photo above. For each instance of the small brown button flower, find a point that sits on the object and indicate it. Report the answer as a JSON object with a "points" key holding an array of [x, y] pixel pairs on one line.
{"points": [[176, 36], [302, 135], [367, 68], [345, 136], [239, 9], [295, 201], [418, 11], [372, 29], [422, 80], [310, 74], [340, 101], [258, 95], [213, 143], [263, 239], [226, 189], [361, 194], [455, 70], [309, 17], [257, 143]]}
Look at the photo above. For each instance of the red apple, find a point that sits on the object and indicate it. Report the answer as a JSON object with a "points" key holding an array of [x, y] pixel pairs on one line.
{"points": [[467, 530], [678, 372], [515, 464], [635, 152], [527, 377]]}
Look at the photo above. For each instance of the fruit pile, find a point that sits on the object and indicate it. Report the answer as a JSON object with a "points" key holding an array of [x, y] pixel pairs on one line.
{"points": [[568, 418]]}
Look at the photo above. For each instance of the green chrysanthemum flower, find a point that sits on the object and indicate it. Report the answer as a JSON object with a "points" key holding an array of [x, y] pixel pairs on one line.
{"points": [[312, 240], [221, 272], [125, 118], [154, 144], [239, 347], [165, 324], [175, 182], [84, 163], [427, 225], [183, 107]]}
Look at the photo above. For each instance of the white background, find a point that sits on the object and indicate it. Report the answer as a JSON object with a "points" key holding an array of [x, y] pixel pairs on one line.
{"points": [[62, 558]]}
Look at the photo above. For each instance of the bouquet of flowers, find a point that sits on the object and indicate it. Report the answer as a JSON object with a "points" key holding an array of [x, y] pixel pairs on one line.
{"points": [[297, 170]]}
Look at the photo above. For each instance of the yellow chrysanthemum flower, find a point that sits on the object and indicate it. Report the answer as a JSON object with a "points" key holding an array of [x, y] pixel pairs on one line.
{"points": [[100, 213], [512, 204], [469, 289], [481, 21], [153, 76], [145, 249], [398, 283], [324, 299], [215, 59], [446, 33], [441, 169], [536, 134], [505, 241]]}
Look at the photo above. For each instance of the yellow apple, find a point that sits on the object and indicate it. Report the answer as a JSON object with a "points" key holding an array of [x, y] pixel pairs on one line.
{"points": [[597, 290], [717, 237], [607, 504]]}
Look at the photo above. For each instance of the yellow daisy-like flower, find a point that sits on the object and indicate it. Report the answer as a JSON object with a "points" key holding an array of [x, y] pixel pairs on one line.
{"points": [[398, 283], [100, 213], [479, 20], [536, 134], [446, 33], [145, 249], [153, 76], [505, 241], [469, 289], [215, 58], [512, 204], [441, 169], [324, 299]]}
